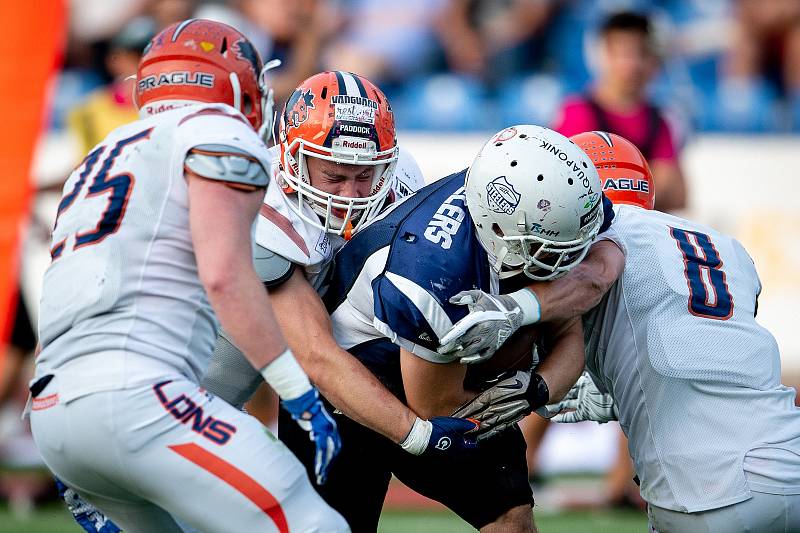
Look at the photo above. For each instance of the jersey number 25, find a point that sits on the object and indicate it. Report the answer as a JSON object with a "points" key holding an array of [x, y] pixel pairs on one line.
{"points": [[119, 186], [709, 296]]}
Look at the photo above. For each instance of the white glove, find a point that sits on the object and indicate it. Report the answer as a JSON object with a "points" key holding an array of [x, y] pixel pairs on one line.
{"points": [[583, 402], [490, 322]]}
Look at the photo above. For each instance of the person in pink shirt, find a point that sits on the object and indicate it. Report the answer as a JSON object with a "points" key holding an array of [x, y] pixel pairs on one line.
{"points": [[618, 103]]}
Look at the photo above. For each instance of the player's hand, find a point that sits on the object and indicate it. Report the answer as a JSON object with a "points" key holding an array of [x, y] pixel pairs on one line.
{"points": [[89, 517], [584, 401], [511, 399], [477, 336], [311, 415], [441, 436]]}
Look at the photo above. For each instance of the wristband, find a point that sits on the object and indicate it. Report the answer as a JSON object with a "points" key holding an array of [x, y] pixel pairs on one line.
{"points": [[529, 305], [538, 392], [286, 376], [418, 437]]}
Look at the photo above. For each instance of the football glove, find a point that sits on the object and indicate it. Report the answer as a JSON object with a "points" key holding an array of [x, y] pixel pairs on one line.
{"points": [[440, 436], [584, 401], [508, 401], [311, 415], [490, 322], [89, 517]]}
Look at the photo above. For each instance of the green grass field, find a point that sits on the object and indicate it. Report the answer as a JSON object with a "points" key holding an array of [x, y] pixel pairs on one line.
{"points": [[54, 519]]}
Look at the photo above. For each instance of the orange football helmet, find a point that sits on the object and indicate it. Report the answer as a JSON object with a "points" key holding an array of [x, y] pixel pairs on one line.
{"points": [[623, 170], [200, 61], [341, 117]]}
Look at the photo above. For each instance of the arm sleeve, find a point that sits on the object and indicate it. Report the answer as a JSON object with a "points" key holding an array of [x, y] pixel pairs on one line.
{"points": [[230, 375]]}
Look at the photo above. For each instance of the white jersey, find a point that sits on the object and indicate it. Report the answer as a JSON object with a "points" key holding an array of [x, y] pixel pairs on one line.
{"points": [[696, 379], [123, 287], [280, 230]]}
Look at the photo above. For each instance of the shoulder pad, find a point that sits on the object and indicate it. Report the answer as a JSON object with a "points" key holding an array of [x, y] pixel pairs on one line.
{"points": [[272, 269], [226, 163]]}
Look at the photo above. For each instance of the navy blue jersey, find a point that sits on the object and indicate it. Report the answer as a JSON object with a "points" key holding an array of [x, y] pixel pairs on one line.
{"points": [[394, 279]]}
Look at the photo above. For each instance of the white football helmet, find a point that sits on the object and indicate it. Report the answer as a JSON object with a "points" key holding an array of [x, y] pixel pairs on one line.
{"points": [[534, 197]]}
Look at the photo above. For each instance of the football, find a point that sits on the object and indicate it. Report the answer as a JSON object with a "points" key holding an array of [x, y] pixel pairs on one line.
{"points": [[515, 354]]}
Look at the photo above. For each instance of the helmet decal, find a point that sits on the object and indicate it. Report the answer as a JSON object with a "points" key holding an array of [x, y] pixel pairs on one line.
{"points": [[501, 196], [297, 107], [246, 51]]}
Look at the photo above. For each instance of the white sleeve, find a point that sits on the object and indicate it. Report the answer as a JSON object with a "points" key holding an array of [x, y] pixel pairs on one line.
{"points": [[408, 177], [219, 124]]}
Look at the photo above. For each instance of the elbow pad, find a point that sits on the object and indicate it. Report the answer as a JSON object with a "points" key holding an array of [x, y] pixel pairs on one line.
{"points": [[228, 164]]}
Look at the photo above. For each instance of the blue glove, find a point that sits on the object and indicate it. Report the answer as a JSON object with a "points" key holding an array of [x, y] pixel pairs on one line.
{"points": [[85, 514], [449, 436], [442, 436], [312, 416]]}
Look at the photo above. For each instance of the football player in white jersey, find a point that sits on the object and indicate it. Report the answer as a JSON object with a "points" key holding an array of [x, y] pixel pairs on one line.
{"points": [[673, 351], [151, 252], [337, 165]]}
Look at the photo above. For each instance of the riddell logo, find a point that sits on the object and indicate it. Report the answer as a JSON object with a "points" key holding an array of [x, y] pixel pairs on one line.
{"points": [[357, 145]]}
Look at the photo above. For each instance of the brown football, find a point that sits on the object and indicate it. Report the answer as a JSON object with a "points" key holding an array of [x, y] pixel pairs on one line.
{"points": [[515, 354]]}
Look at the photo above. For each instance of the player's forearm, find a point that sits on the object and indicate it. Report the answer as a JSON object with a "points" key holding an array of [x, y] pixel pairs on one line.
{"points": [[582, 289], [343, 380], [562, 368], [433, 389], [355, 391], [220, 221]]}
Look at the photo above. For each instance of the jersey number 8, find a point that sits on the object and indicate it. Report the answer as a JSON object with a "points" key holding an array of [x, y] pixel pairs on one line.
{"points": [[708, 298], [120, 186]]}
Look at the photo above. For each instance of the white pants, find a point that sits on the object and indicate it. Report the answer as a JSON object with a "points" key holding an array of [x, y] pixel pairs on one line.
{"points": [[143, 454], [763, 513]]}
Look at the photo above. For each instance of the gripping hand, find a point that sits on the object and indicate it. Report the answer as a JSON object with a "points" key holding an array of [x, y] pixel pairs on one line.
{"points": [[311, 415], [507, 402], [584, 401], [491, 320]]}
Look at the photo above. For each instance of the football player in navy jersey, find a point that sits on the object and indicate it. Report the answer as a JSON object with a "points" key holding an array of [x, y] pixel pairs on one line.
{"points": [[530, 203]]}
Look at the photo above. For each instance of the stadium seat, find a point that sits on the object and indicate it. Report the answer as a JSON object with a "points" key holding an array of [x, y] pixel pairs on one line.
{"points": [[531, 100], [741, 106], [443, 102]]}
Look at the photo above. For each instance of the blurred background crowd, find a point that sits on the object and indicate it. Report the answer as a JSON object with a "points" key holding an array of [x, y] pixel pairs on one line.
{"points": [[655, 71], [715, 65]]}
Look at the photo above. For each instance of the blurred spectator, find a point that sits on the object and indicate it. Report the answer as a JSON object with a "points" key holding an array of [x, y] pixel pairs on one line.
{"points": [[766, 44], [488, 38], [618, 103], [166, 12], [385, 40], [111, 106], [293, 32]]}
